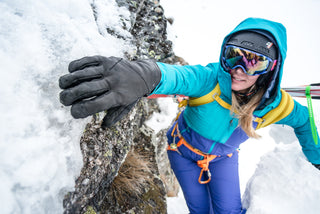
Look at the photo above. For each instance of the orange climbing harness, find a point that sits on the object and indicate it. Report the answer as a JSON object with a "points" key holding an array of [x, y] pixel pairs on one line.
{"points": [[203, 164]]}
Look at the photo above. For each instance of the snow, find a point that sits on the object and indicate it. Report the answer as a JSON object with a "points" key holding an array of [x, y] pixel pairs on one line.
{"points": [[284, 182], [40, 155], [39, 141], [161, 120]]}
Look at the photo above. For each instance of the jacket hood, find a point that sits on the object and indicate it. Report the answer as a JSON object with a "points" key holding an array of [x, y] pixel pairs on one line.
{"points": [[277, 34]]}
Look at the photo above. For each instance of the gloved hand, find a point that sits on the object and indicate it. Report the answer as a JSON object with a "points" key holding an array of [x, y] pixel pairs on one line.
{"points": [[100, 83]]}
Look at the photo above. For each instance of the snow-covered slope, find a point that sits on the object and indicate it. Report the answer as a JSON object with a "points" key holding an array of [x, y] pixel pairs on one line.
{"points": [[284, 182], [39, 141]]}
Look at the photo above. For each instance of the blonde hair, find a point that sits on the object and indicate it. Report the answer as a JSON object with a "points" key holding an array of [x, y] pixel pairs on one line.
{"points": [[245, 112]]}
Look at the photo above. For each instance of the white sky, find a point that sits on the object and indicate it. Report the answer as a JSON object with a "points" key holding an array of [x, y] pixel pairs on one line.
{"points": [[201, 26]]}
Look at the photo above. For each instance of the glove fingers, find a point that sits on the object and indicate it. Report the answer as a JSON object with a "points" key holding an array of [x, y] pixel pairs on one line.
{"points": [[115, 114], [75, 78], [84, 62], [84, 90], [85, 108]]}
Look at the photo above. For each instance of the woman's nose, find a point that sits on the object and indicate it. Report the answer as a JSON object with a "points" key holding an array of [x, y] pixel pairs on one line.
{"points": [[239, 70]]}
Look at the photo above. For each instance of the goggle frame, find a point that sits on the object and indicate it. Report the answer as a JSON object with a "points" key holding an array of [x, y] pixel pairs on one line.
{"points": [[269, 67]]}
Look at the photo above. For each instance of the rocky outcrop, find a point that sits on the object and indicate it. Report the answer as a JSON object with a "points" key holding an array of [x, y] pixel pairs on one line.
{"points": [[125, 167]]}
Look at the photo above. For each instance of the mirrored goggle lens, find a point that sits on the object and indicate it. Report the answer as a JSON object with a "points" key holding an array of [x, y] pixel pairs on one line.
{"points": [[252, 63]]}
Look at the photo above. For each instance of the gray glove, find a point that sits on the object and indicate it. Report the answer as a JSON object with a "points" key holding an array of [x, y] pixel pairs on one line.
{"points": [[100, 83]]}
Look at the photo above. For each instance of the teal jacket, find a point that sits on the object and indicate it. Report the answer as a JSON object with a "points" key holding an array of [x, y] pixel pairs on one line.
{"points": [[215, 122]]}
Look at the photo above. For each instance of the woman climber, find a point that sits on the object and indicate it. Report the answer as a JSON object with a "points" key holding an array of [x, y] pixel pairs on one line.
{"points": [[229, 101]]}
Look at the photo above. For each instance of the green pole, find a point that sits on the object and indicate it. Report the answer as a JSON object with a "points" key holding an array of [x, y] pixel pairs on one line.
{"points": [[311, 117]]}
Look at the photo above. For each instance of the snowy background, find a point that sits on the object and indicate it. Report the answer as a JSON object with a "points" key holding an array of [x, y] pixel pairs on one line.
{"points": [[39, 141]]}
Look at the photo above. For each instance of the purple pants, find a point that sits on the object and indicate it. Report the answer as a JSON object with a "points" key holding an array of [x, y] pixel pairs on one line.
{"points": [[222, 194]]}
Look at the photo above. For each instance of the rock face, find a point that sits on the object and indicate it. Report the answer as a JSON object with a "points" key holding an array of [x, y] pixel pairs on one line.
{"points": [[125, 167]]}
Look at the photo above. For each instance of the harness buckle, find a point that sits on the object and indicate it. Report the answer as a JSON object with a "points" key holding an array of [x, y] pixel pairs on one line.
{"points": [[214, 96], [173, 145]]}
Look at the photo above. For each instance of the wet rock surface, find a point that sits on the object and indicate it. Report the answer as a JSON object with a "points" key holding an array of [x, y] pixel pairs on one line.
{"points": [[126, 169]]}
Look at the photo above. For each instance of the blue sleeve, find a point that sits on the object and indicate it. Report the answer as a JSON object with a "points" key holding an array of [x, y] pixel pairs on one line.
{"points": [[299, 120], [193, 81]]}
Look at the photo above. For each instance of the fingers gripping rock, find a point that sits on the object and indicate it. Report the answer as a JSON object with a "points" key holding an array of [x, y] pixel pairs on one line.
{"points": [[100, 83]]}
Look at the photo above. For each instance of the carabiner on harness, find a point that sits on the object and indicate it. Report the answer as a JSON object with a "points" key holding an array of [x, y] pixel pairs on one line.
{"points": [[204, 165]]}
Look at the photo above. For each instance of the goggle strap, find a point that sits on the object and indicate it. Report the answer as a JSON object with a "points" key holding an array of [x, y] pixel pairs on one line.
{"points": [[274, 64]]}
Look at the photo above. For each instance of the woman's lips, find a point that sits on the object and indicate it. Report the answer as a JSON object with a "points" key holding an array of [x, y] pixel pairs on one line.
{"points": [[237, 79]]}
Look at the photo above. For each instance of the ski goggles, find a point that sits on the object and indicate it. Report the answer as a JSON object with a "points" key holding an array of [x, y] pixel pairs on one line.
{"points": [[252, 63]]}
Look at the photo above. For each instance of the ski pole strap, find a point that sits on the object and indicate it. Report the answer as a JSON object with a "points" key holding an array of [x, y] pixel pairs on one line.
{"points": [[311, 117]]}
